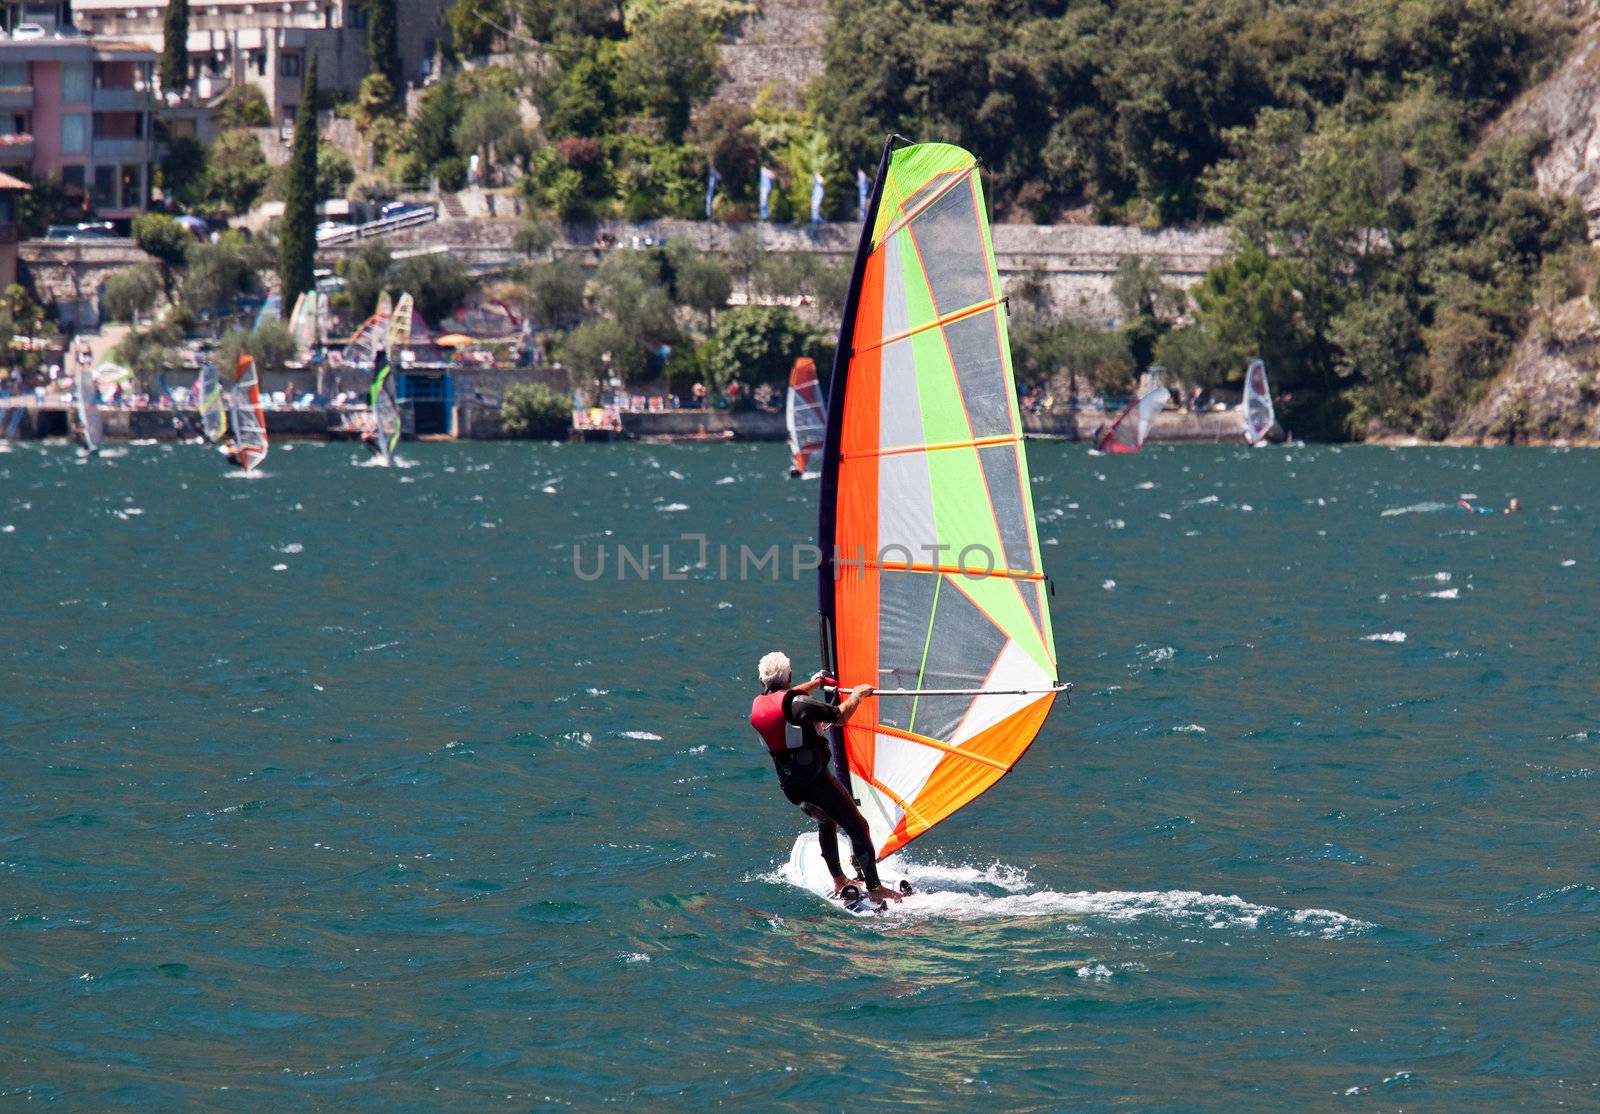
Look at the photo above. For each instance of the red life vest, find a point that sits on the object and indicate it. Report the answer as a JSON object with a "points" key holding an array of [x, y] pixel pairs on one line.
{"points": [[766, 716]]}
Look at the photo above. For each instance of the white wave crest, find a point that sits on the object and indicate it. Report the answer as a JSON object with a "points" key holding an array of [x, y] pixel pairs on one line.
{"points": [[1001, 892], [1390, 636]]}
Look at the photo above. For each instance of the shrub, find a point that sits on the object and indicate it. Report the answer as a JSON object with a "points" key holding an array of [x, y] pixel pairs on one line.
{"points": [[131, 291], [534, 410]]}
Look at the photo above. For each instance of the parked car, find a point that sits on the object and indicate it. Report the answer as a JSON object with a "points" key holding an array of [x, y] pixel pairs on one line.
{"points": [[93, 230], [402, 208]]}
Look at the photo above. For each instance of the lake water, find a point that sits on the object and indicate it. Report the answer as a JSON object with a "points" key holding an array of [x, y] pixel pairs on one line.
{"points": [[338, 787]]}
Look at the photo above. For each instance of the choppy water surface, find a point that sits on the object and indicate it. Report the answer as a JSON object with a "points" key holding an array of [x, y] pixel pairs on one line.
{"points": [[338, 787]]}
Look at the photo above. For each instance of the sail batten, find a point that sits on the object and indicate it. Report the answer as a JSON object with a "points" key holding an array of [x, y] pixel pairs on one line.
{"points": [[927, 517]]}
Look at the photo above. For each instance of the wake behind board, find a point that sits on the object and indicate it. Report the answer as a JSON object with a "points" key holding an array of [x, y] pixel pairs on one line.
{"points": [[807, 870]]}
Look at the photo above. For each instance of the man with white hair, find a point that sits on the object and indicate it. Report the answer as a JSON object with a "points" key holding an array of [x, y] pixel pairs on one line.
{"points": [[792, 725]]}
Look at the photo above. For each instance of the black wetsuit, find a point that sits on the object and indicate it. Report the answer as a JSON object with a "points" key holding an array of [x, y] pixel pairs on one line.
{"points": [[808, 782]]}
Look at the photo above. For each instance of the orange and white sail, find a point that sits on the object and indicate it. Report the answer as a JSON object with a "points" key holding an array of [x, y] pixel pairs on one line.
{"points": [[249, 420], [805, 413], [932, 588]]}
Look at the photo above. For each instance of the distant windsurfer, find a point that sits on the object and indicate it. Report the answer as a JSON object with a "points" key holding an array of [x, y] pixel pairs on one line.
{"points": [[791, 725], [234, 455]]}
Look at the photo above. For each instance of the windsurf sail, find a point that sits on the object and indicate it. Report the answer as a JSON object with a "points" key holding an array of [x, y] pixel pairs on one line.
{"points": [[385, 304], [368, 340], [1258, 415], [90, 422], [271, 310], [400, 324], [805, 412], [304, 321], [1132, 426], [385, 415], [208, 399], [249, 421], [931, 588]]}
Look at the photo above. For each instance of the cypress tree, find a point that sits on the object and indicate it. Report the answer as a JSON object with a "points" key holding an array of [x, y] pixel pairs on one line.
{"points": [[174, 66], [297, 239], [383, 45]]}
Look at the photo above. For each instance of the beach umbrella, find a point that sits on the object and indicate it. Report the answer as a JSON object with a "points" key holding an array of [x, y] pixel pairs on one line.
{"points": [[192, 223], [455, 340]]}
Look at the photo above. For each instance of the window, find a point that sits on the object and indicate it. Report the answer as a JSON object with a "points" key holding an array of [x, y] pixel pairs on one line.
{"points": [[105, 184], [288, 65], [75, 82], [72, 179], [74, 133], [130, 186], [356, 17], [13, 74]]}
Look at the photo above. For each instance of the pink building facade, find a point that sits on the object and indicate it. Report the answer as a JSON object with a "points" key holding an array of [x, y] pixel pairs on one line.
{"points": [[80, 110]]}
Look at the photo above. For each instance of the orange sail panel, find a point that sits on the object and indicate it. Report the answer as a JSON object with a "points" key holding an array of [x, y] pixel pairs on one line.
{"points": [[931, 576], [249, 421], [804, 412]]}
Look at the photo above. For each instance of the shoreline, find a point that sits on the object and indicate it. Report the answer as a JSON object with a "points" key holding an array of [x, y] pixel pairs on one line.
{"points": [[473, 421]]}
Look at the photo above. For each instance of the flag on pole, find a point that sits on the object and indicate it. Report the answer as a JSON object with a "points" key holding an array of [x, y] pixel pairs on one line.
{"points": [[863, 187], [766, 190], [816, 198], [712, 180]]}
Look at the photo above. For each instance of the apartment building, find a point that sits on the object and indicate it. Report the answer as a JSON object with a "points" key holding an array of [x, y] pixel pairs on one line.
{"points": [[79, 109], [270, 44]]}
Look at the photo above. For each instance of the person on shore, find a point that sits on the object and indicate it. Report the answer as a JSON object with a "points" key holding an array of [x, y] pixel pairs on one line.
{"points": [[791, 724]]}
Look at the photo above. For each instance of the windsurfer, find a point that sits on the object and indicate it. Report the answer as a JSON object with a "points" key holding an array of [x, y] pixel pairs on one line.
{"points": [[790, 722]]}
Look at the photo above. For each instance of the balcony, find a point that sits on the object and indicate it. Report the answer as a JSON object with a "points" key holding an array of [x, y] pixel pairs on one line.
{"points": [[113, 99], [121, 150], [16, 149], [16, 97]]}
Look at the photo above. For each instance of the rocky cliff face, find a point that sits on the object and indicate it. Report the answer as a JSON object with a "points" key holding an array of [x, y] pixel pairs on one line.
{"points": [[1565, 110], [1549, 390]]}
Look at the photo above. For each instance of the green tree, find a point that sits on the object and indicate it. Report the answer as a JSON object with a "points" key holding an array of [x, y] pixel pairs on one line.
{"points": [[244, 106], [220, 273], [237, 170], [366, 276], [167, 241], [131, 292], [760, 343], [182, 171], [173, 69], [383, 46], [488, 123], [704, 285], [46, 202], [600, 349], [271, 345], [440, 283], [534, 410], [377, 117], [472, 25], [670, 65], [151, 352], [555, 293], [297, 241]]}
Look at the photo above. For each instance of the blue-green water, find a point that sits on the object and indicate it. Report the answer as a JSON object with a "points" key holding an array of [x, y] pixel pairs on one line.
{"points": [[338, 787]]}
